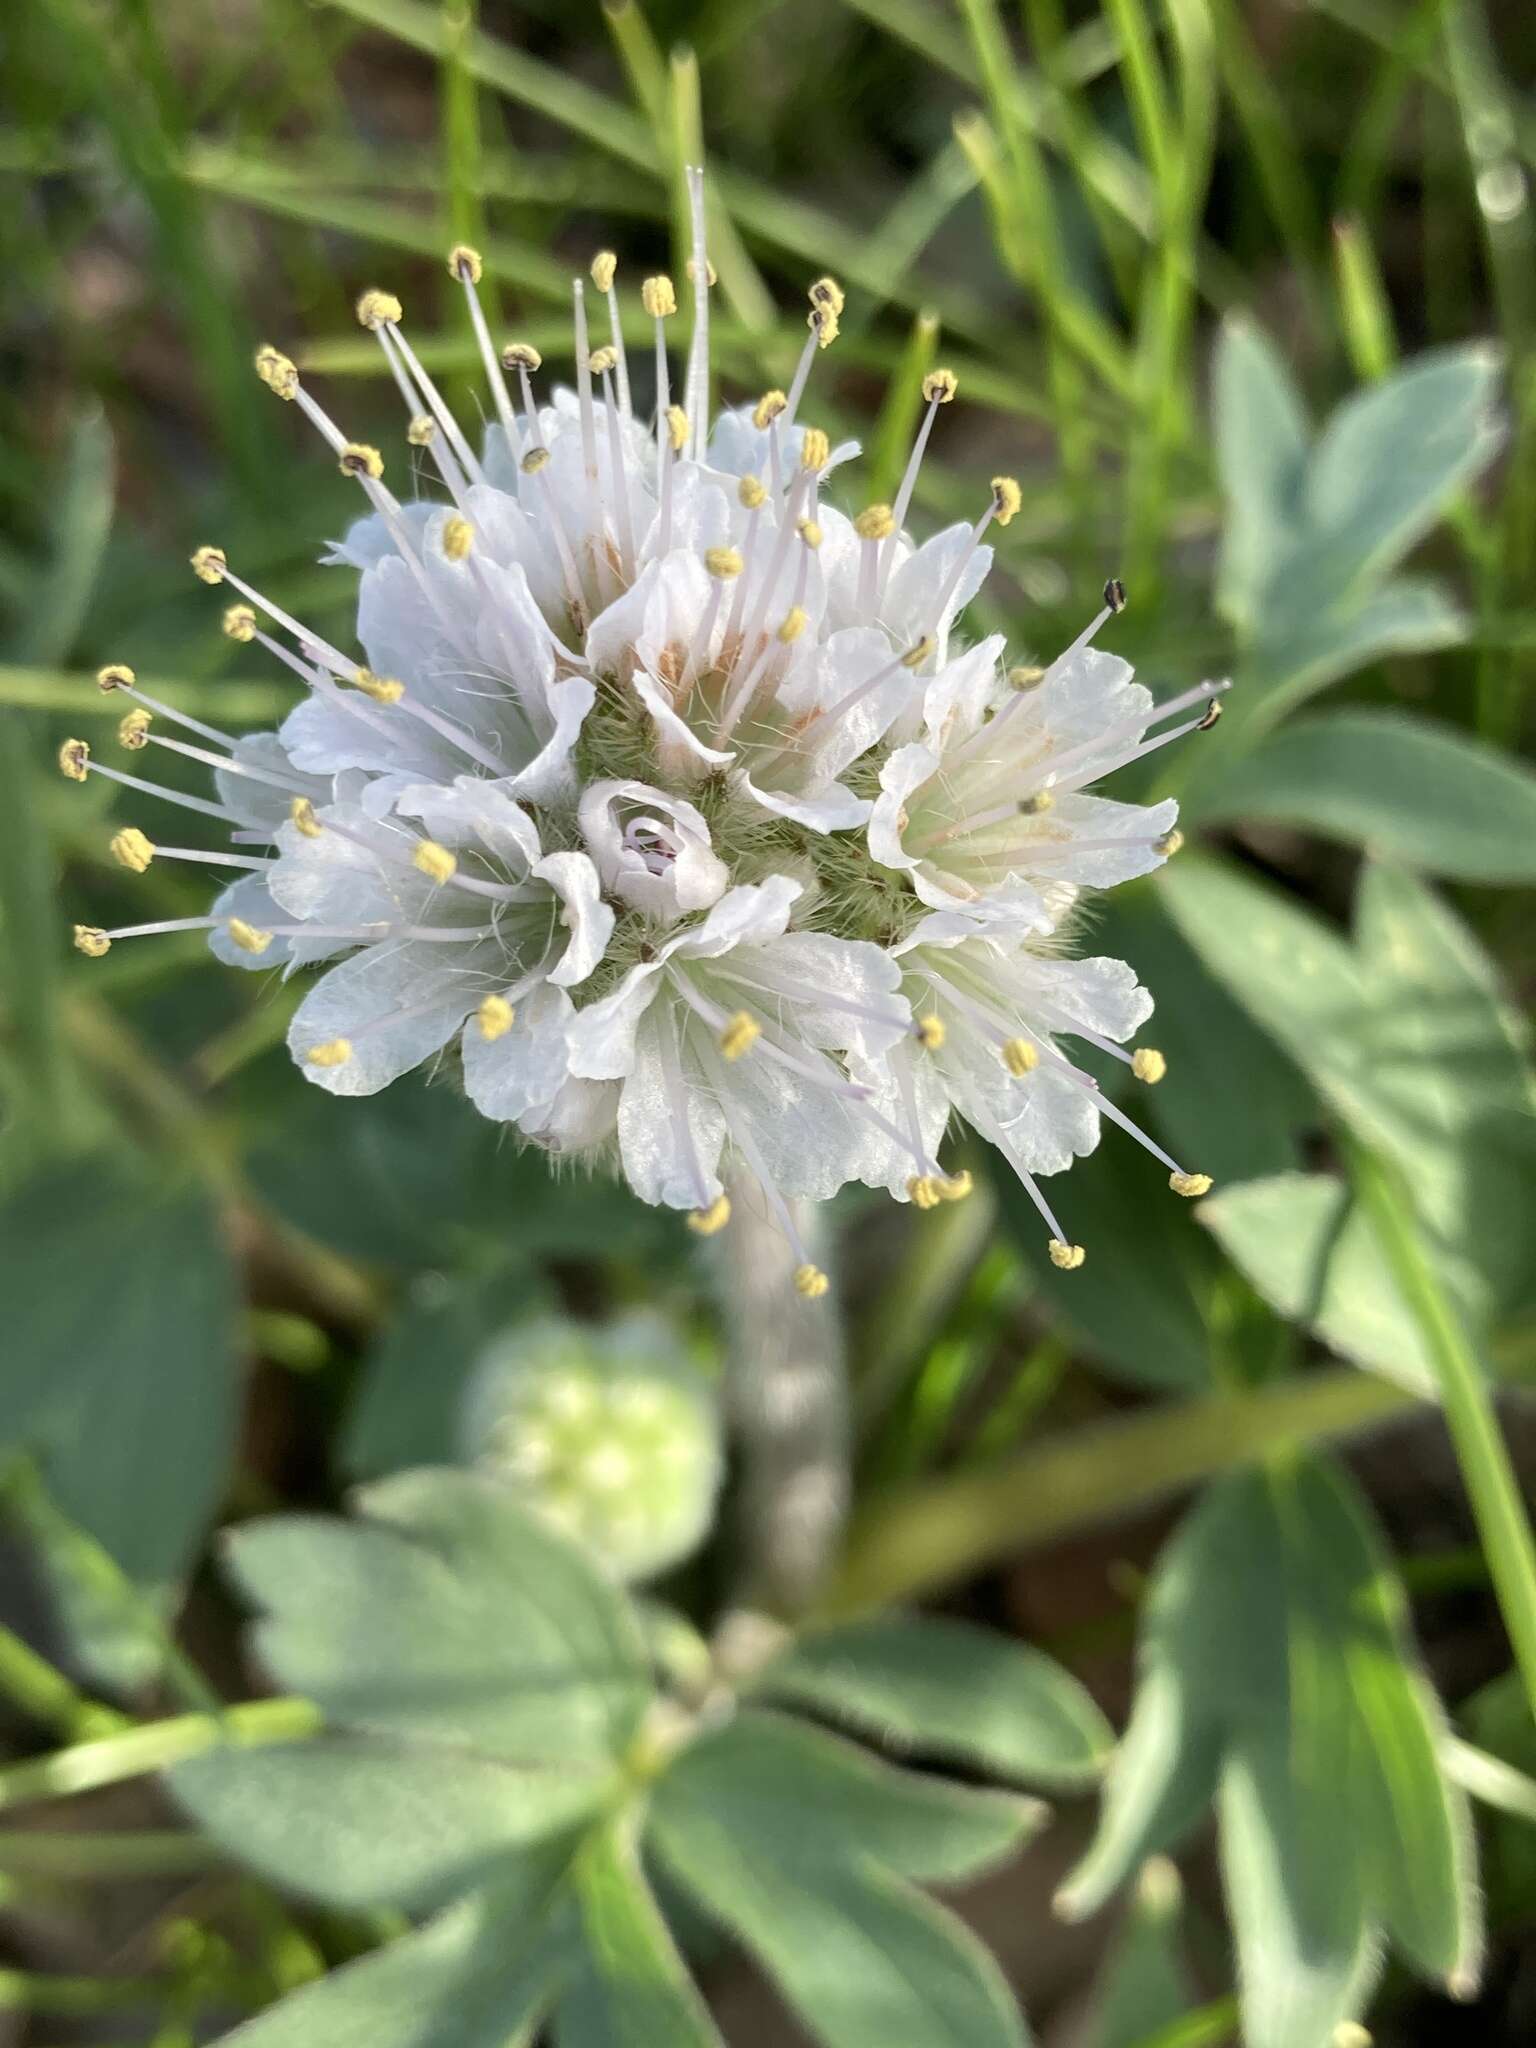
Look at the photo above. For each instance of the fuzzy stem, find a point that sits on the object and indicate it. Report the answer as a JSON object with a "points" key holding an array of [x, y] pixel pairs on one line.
{"points": [[154, 1747], [787, 1398]]}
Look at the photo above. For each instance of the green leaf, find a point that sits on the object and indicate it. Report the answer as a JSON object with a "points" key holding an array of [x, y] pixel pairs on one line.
{"points": [[801, 1798], [448, 1616], [1261, 452], [952, 1690], [1313, 1256], [478, 1976], [359, 1822], [864, 1960], [1404, 1035], [633, 1990], [1143, 1984], [120, 1372], [1417, 792], [1149, 1325], [1275, 1667]]}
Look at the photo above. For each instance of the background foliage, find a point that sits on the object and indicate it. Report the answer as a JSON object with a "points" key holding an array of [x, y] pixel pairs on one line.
{"points": [[1246, 294]]}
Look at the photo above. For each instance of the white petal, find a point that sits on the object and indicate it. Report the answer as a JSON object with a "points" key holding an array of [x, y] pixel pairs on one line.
{"points": [[583, 913], [602, 1035], [250, 900], [744, 916], [259, 806], [859, 973], [396, 1003], [470, 811], [551, 775], [905, 771], [670, 1135], [518, 1075], [680, 750], [682, 872], [833, 809], [957, 698]]}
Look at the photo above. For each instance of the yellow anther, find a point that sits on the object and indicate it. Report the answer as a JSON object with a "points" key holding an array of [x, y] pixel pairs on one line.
{"points": [[658, 298], [604, 265], [809, 532], [957, 1187], [521, 355], [209, 564], [707, 1221], [1350, 2034], [725, 563], [131, 849], [1114, 594], [602, 360], [1020, 1057], [331, 1052], [376, 309], [1025, 677], [458, 537], [115, 676], [741, 1033], [826, 291], [495, 1017], [301, 815], [434, 861], [711, 275], [277, 371], [1190, 1184], [1068, 1256], [133, 731], [239, 622], [464, 263], [91, 941], [811, 1282], [74, 759], [382, 689], [815, 449], [677, 428], [751, 492], [768, 408], [930, 1031], [247, 937], [924, 1191], [917, 654], [1212, 714], [534, 461], [825, 323], [1037, 805], [793, 624], [875, 522], [358, 459], [940, 386], [1168, 843], [1006, 498], [1148, 1064], [422, 431]]}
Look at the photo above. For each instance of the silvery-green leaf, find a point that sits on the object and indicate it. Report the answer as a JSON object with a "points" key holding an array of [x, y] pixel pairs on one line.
{"points": [[1314, 1257], [448, 1615], [631, 1989], [1419, 793], [478, 1976], [358, 1821], [864, 1960], [1261, 450], [952, 1690], [800, 1798], [1143, 1984]]}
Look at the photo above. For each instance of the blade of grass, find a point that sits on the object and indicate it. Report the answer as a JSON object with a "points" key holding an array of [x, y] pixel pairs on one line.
{"points": [[897, 419], [1369, 333], [924, 204], [1470, 1415], [642, 61], [40, 689], [459, 127]]}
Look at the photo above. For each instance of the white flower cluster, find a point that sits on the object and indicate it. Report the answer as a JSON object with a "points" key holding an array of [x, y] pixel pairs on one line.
{"points": [[672, 798]]}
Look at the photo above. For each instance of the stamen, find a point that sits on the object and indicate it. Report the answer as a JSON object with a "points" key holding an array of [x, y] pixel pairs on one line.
{"points": [[939, 388], [1148, 1065], [706, 1222], [604, 267], [76, 763], [332, 1052], [696, 384], [466, 266], [620, 478], [1190, 1184], [741, 1033], [117, 677], [495, 1017], [811, 1282], [1020, 1057], [1067, 1256], [930, 1031]]}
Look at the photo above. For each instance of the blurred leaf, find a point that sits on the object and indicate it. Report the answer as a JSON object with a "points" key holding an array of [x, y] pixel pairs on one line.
{"points": [[448, 1615], [634, 1991], [1261, 452], [799, 1798], [1416, 792], [797, 1863], [951, 1690], [79, 506], [1315, 1259], [359, 1822], [478, 1976], [120, 1367], [1148, 1324], [1276, 1672], [407, 1408], [1404, 1035], [1143, 1983], [1216, 1055]]}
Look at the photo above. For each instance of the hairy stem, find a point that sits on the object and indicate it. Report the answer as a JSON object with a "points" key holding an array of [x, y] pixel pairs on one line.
{"points": [[787, 1398]]}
